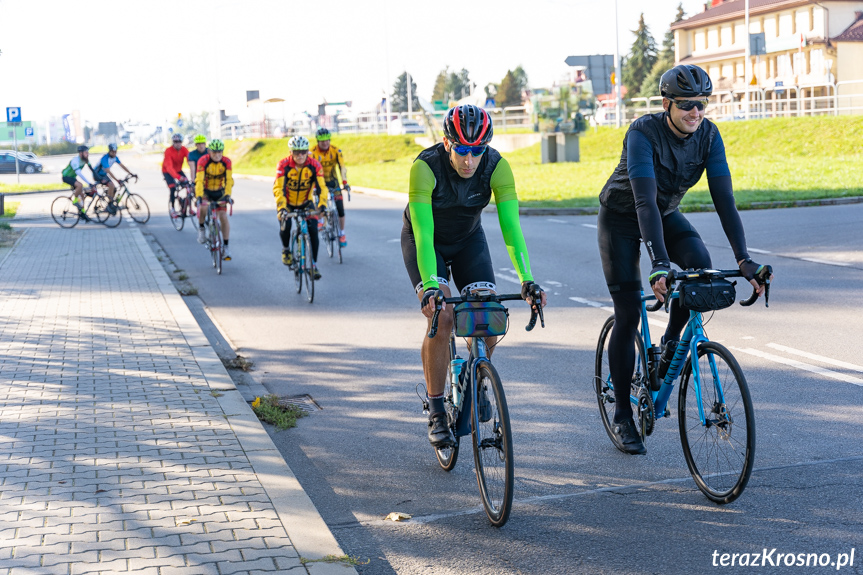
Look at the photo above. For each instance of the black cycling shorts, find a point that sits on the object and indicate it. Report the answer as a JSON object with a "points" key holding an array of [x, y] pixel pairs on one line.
{"points": [[170, 179], [103, 179], [71, 180], [470, 261], [620, 247], [214, 196]]}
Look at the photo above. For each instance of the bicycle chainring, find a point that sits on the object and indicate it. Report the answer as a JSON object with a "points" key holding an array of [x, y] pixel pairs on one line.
{"points": [[646, 412]]}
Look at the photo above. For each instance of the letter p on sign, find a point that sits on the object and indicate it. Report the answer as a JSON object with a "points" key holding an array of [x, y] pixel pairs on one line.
{"points": [[13, 114]]}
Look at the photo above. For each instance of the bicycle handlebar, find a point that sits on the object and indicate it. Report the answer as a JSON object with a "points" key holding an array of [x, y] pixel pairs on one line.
{"points": [[762, 277], [439, 299]]}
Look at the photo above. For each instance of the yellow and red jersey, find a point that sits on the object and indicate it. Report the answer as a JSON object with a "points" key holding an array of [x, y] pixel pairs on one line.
{"points": [[213, 176], [330, 160], [294, 184]]}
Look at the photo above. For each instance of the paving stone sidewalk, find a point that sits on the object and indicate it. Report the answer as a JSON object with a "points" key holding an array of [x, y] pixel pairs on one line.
{"points": [[124, 446]]}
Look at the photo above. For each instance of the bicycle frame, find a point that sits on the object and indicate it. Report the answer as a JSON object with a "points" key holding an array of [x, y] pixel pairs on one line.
{"points": [[477, 356], [302, 229], [693, 336]]}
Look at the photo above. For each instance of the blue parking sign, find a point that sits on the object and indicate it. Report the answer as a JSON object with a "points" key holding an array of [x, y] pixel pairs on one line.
{"points": [[28, 131], [13, 114]]}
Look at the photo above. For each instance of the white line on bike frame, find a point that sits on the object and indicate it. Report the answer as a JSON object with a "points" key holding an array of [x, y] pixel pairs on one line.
{"points": [[826, 262], [800, 365], [816, 357]]}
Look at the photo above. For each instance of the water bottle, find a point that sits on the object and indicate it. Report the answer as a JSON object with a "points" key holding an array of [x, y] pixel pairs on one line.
{"points": [[456, 365], [653, 355]]}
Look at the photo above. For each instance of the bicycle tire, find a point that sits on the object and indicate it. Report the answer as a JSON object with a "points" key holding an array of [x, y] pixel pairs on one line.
{"points": [[299, 264], [492, 445], [448, 456], [328, 235], [309, 275], [137, 207], [64, 212], [727, 440], [178, 219], [106, 218], [338, 238], [216, 246], [603, 387]]}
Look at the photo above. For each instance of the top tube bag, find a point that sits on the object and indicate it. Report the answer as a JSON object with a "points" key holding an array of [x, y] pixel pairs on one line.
{"points": [[480, 319]]}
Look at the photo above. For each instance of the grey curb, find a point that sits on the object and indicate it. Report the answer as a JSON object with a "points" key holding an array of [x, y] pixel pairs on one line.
{"points": [[306, 529]]}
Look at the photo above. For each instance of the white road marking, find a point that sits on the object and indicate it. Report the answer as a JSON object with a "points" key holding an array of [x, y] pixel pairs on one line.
{"points": [[553, 283], [826, 262], [757, 251], [557, 221], [821, 358], [589, 225], [800, 365], [393, 241], [509, 279], [591, 303]]}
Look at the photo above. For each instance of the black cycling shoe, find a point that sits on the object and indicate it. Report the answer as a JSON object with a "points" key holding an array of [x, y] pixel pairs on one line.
{"points": [[439, 432], [627, 439]]}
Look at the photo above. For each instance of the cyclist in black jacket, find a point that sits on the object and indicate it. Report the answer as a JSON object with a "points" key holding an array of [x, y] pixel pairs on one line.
{"points": [[664, 155]]}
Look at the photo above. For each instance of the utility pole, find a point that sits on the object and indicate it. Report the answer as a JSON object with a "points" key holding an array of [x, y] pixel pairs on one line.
{"points": [[747, 65], [410, 98], [617, 67]]}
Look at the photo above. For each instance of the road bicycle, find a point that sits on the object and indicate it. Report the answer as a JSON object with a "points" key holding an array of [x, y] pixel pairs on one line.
{"points": [[330, 231], [213, 226], [474, 399], [303, 263], [133, 203], [716, 419], [67, 214], [184, 197]]}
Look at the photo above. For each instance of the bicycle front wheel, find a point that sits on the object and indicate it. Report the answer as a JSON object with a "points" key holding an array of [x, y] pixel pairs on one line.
{"points": [[327, 235], [299, 267], [334, 231], [138, 209], [178, 219], [100, 207], [447, 456], [216, 245], [492, 445], [309, 275], [605, 390], [720, 452], [64, 212]]}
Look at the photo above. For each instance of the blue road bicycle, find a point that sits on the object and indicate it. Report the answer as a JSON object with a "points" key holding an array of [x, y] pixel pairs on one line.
{"points": [[714, 410], [303, 264], [474, 399]]}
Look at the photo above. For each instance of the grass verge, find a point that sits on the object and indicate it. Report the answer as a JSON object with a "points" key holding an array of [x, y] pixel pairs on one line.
{"points": [[18, 188], [10, 209], [269, 410]]}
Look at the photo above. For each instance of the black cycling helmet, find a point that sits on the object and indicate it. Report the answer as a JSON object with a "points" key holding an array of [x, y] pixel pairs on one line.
{"points": [[468, 125], [176, 138], [322, 134], [82, 148], [685, 81], [112, 147]]}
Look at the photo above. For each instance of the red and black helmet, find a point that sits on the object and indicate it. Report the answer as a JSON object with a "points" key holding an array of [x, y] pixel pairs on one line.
{"points": [[468, 125]]}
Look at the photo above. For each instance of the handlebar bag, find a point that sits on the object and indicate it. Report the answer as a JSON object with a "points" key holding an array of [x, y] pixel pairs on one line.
{"points": [[708, 295], [480, 319]]}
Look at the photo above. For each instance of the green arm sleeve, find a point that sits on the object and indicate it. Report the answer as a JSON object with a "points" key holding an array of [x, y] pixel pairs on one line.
{"points": [[422, 184], [503, 186]]}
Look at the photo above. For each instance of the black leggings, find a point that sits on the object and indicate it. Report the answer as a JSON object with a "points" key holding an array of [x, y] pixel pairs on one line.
{"points": [[312, 223], [619, 248]]}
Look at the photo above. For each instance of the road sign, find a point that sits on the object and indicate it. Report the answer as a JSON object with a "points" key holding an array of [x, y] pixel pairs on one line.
{"points": [[28, 131], [598, 70], [778, 88], [757, 44], [13, 114]]}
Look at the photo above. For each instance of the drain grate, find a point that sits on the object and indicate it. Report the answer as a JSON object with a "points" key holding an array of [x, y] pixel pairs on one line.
{"points": [[304, 402]]}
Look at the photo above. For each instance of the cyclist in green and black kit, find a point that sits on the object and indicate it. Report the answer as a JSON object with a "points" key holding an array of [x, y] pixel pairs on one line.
{"points": [[75, 170], [450, 184], [199, 152]]}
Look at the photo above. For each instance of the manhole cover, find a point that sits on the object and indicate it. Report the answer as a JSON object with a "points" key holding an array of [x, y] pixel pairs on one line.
{"points": [[304, 402]]}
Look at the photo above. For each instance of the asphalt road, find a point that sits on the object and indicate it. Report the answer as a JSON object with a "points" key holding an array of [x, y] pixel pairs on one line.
{"points": [[580, 505]]}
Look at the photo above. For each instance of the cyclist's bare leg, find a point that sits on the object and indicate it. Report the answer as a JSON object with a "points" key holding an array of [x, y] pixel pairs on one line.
{"points": [[435, 351], [202, 211], [79, 192], [111, 189], [226, 227]]}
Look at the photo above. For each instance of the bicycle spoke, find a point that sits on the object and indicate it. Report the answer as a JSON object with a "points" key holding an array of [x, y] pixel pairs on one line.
{"points": [[492, 441]]}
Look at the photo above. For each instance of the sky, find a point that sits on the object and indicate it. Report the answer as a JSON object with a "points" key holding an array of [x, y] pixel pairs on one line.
{"points": [[150, 60]]}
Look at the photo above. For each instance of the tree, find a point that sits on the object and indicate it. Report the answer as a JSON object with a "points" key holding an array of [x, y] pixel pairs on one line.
{"points": [[665, 60], [399, 98], [452, 85], [641, 58], [520, 78], [508, 93], [439, 90]]}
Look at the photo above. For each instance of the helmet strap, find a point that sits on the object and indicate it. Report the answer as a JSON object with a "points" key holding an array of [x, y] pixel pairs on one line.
{"points": [[676, 127]]}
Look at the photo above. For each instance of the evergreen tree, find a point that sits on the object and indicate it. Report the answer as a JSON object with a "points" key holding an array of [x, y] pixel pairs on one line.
{"points": [[399, 97], [520, 78], [450, 86], [508, 93], [641, 58], [439, 90], [664, 62]]}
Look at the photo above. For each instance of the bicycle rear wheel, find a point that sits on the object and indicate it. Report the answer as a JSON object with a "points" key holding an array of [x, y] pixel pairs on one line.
{"points": [[309, 275], [139, 211], [100, 207], [492, 445], [178, 219], [64, 212], [605, 390], [447, 456], [720, 453]]}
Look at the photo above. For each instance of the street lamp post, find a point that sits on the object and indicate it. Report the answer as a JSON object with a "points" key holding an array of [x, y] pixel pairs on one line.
{"points": [[746, 63], [617, 78]]}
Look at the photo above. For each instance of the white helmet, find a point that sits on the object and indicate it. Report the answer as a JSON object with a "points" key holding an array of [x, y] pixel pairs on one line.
{"points": [[298, 143]]}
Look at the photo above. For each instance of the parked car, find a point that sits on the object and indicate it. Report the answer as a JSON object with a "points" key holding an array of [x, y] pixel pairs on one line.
{"points": [[29, 156], [401, 126], [7, 164]]}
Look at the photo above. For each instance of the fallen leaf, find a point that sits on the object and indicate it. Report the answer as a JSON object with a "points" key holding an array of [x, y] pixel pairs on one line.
{"points": [[101, 490], [398, 516], [256, 403]]}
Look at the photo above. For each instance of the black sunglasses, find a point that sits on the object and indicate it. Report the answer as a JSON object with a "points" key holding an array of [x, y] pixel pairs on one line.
{"points": [[687, 105]]}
